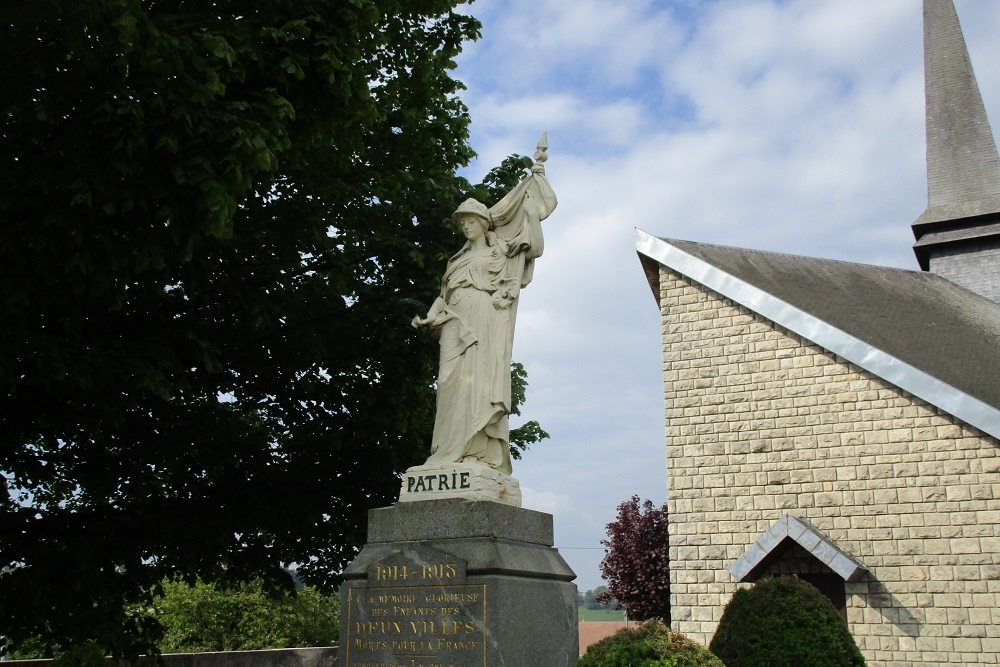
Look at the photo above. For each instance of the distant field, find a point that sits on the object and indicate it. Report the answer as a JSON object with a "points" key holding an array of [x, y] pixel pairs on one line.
{"points": [[600, 614]]}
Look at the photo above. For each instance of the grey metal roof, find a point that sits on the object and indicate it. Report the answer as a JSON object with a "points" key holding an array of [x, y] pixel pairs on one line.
{"points": [[917, 330], [786, 530]]}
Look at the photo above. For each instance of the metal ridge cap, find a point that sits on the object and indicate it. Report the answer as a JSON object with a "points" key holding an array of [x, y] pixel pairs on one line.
{"points": [[750, 565], [952, 400]]}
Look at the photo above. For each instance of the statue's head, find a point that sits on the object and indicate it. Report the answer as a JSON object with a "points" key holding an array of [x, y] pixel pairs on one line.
{"points": [[472, 208]]}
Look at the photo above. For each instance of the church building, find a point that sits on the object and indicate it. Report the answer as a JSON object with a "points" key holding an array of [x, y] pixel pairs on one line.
{"points": [[840, 422]]}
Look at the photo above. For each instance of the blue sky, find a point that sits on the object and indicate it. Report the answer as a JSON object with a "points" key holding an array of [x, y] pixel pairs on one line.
{"points": [[785, 125]]}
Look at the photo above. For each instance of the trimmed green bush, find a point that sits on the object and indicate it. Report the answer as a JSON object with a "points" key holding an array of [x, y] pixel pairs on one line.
{"points": [[783, 622], [651, 644]]}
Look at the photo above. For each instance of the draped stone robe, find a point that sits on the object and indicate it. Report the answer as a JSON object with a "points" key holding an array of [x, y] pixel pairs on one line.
{"points": [[475, 326]]}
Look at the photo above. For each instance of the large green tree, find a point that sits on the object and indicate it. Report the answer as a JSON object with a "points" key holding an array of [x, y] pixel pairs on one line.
{"points": [[208, 213]]}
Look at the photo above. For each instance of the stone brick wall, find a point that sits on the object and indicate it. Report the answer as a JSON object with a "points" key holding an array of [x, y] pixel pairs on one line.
{"points": [[761, 423]]}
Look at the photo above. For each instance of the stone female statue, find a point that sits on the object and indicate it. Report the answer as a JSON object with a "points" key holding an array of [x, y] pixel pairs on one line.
{"points": [[473, 319]]}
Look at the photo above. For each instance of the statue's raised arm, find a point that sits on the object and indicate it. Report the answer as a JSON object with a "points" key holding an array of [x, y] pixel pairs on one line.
{"points": [[473, 319]]}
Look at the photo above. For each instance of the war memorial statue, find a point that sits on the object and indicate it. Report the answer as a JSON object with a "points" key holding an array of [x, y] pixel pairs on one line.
{"points": [[473, 319], [457, 573]]}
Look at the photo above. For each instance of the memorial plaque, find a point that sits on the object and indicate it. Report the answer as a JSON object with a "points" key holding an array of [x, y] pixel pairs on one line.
{"points": [[416, 610], [458, 583]]}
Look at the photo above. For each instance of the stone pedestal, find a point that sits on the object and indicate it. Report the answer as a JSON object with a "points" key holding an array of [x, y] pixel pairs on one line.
{"points": [[457, 583], [471, 481]]}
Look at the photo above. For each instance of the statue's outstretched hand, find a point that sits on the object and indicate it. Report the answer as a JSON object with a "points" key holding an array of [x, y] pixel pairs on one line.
{"points": [[433, 315]]}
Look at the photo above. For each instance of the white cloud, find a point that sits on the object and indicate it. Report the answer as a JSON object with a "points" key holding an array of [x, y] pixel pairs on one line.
{"points": [[544, 501], [554, 44], [791, 126]]}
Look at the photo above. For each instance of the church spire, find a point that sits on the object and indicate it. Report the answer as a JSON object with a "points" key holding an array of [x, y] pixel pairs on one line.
{"points": [[963, 169], [962, 162]]}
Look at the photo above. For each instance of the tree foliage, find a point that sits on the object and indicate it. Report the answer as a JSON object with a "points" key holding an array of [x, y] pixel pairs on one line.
{"points": [[244, 617], [783, 622], [636, 563], [209, 212], [589, 599], [650, 645], [530, 431], [88, 654], [207, 617]]}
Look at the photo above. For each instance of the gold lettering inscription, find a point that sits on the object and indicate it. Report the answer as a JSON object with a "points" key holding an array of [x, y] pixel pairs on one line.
{"points": [[377, 628], [418, 626], [392, 573], [414, 611], [456, 597], [446, 645], [438, 570], [442, 627], [426, 571], [392, 599]]}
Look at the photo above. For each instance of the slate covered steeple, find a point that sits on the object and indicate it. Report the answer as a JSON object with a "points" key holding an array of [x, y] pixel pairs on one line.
{"points": [[958, 236]]}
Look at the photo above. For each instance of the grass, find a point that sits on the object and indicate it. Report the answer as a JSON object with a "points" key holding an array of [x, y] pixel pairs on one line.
{"points": [[585, 614]]}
